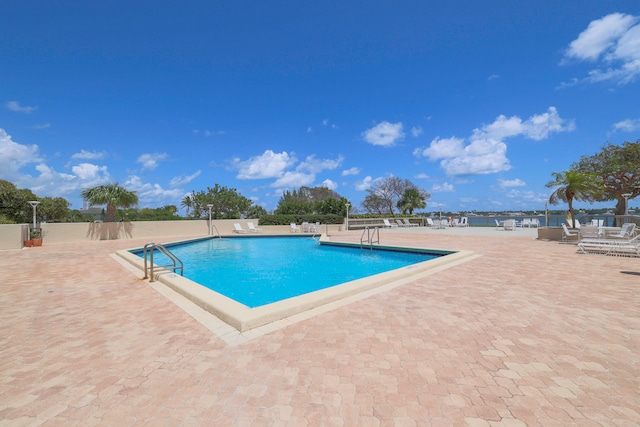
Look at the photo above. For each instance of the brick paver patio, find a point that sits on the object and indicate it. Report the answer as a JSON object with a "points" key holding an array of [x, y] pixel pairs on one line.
{"points": [[530, 333]]}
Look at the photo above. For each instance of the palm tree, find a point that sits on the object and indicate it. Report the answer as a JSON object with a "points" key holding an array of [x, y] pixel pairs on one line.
{"points": [[572, 185], [113, 196], [412, 199]]}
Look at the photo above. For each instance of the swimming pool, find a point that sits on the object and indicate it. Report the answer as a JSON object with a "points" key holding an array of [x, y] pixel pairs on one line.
{"points": [[262, 270], [243, 318]]}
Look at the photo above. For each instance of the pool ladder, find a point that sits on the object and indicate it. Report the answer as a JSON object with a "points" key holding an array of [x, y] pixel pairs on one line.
{"points": [[371, 235], [155, 270]]}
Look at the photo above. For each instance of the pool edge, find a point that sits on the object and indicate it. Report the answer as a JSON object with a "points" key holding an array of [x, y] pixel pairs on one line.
{"points": [[244, 318]]}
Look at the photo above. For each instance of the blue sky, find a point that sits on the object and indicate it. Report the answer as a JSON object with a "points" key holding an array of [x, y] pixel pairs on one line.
{"points": [[477, 102]]}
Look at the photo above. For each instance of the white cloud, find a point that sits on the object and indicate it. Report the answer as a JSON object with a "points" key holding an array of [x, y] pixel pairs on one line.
{"points": [[422, 175], [486, 151], [505, 183], [13, 156], [331, 185], [90, 173], [150, 161], [267, 165], [365, 184], [628, 125], [179, 181], [313, 165], [89, 155], [480, 157], [208, 133], [351, 171], [442, 148], [294, 180], [536, 127], [15, 106], [416, 131], [151, 194], [384, 133], [46, 181], [327, 123], [614, 40], [42, 126], [445, 187]]}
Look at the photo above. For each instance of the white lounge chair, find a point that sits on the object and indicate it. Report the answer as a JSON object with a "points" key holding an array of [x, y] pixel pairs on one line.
{"points": [[387, 224], [510, 224], [294, 227], [629, 246], [408, 223], [566, 233], [440, 224], [534, 223], [499, 224], [464, 222], [589, 232], [626, 231], [253, 228], [238, 228], [429, 222]]}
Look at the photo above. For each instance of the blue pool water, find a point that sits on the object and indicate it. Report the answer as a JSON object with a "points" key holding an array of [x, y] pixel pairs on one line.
{"points": [[261, 270]]}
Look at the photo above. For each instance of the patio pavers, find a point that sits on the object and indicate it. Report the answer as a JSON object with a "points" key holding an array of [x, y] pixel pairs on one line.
{"points": [[529, 333]]}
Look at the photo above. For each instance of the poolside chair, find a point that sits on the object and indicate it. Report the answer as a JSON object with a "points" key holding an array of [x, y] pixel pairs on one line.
{"points": [[429, 222], [566, 233], [464, 222], [534, 223], [253, 228], [387, 224], [626, 231], [629, 246], [238, 228], [499, 224], [526, 222], [408, 223], [440, 224], [589, 232], [294, 227], [509, 224]]}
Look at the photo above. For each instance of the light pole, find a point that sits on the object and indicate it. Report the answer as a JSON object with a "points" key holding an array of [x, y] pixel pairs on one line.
{"points": [[347, 206], [546, 215], [209, 206], [34, 204]]}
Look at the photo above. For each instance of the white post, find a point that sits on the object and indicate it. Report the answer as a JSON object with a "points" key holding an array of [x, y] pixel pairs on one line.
{"points": [[546, 215], [34, 204], [348, 206], [209, 206]]}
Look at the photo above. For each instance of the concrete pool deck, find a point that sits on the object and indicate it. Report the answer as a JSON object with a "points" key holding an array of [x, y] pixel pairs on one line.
{"points": [[527, 333]]}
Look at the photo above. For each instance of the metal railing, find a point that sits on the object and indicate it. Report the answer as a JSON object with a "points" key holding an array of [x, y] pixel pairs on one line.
{"points": [[151, 271], [371, 235]]}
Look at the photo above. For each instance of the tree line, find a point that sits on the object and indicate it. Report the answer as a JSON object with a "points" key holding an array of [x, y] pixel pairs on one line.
{"points": [[611, 174], [119, 204]]}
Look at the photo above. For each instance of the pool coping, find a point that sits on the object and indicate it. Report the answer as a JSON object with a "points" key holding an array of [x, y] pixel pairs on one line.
{"points": [[243, 318]]}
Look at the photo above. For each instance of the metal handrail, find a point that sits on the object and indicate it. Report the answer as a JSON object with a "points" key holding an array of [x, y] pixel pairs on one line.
{"points": [[217, 232], [176, 263], [370, 236]]}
